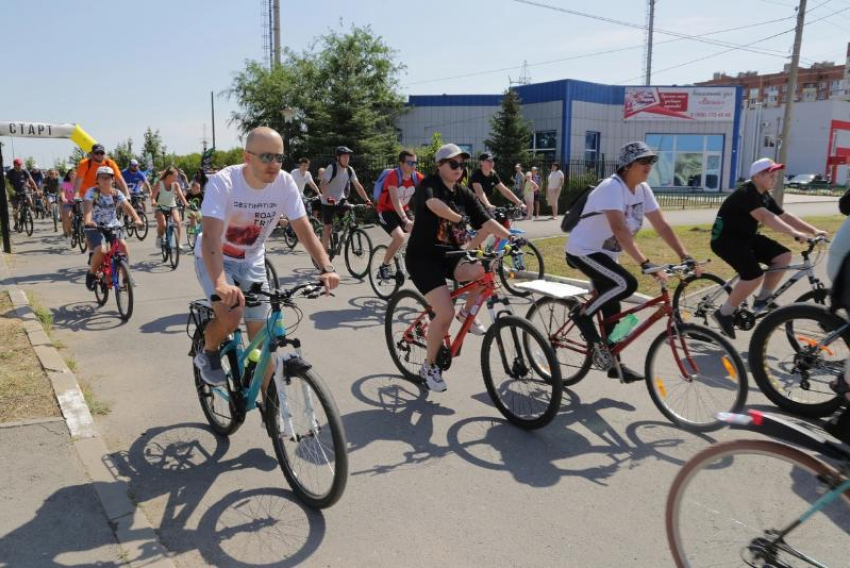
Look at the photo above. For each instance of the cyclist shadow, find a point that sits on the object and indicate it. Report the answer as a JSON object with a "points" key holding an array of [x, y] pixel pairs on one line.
{"points": [[402, 413], [180, 464], [170, 324], [74, 275], [366, 311], [86, 316], [151, 266], [541, 458]]}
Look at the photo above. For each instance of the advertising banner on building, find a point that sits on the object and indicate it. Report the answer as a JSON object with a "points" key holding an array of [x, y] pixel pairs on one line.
{"points": [[703, 104]]}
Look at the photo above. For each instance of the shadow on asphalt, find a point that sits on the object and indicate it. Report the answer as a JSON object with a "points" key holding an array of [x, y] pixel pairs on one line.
{"points": [[87, 316], [578, 442], [255, 527], [170, 324], [365, 311], [74, 275]]}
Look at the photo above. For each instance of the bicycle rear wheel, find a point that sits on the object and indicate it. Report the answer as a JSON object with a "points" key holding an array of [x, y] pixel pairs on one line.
{"points": [[290, 239], [218, 403], [123, 290], [552, 317], [406, 331], [697, 297], [526, 396], [308, 437], [384, 288], [790, 363], [523, 265], [358, 248], [727, 504], [693, 374]]}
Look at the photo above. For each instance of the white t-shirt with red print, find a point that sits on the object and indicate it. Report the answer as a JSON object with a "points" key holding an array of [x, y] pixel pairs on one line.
{"points": [[249, 215]]}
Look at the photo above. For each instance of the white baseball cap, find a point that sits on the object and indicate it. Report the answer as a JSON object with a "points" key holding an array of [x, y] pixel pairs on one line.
{"points": [[764, 164], [105, 171], [449, 151], [134, 162]]}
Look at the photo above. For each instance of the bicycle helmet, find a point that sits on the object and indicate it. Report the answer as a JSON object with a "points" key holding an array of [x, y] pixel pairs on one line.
{"points": [[340, 150]]}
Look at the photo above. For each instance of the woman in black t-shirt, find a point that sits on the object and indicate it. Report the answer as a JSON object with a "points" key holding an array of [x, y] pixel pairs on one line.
{"points": [[443, 209]]}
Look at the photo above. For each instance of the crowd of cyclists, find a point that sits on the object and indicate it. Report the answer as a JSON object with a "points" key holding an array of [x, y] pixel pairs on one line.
{"points": [[237, 209]]}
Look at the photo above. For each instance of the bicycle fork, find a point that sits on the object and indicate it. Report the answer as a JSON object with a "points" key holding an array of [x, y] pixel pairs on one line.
{"points": [[283, 384]]}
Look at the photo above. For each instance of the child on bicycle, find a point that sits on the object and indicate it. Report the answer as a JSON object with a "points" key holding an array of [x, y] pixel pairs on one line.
{"points": [[66, 197], [164, 201], [612, 215], [100, 216], [736, 240], [443, 209], [195, 198]]}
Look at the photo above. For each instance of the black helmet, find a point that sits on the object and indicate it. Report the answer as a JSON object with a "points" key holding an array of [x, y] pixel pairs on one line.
{"points": [[340, 150]]}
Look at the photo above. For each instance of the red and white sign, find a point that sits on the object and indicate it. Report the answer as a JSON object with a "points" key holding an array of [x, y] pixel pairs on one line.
{"points": [[703, 104]]}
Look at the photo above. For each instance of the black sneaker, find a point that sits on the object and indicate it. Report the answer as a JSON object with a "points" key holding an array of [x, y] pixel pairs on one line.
{"points": [[726, 323], [91, 281], [585, 325], [629, 375], [384, 272], [764, 305]]}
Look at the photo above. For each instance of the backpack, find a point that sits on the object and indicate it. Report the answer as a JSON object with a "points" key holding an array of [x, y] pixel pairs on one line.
{"points": [[575, 209], [379, 184]]}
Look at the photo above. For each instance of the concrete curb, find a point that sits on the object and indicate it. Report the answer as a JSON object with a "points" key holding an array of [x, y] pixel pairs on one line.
{"points": [[133, 532]]}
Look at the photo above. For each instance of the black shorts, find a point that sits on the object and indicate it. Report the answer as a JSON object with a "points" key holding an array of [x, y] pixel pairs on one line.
{"points": [[331, 211], [389, 220], [746, 257], [430, 272]]}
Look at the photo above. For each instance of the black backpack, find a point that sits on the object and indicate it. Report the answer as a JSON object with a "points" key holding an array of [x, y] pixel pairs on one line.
{"points": [[575, 209]]}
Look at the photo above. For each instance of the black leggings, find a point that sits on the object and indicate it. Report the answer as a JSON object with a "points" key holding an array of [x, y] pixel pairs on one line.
{"points": [[611, 281]]}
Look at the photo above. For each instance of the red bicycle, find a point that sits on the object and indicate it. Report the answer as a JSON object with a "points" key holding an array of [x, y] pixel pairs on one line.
{"points": [[114, 274], [519, 367], [691, 371]]}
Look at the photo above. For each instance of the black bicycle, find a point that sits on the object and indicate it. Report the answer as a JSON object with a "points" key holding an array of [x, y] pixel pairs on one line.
{"points": [[78, 233], [138, 203], [23, 218], [347, 231]]}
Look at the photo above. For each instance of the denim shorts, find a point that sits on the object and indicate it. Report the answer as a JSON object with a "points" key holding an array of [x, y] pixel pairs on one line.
{"points": [[241, 274], [95, 237]]}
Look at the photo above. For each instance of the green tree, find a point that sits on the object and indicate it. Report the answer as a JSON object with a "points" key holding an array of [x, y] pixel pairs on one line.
{"points": [[425, 154], [29, 162], [509, 136], [343, 90], [154, 148], [77, 154], [123, 153]]}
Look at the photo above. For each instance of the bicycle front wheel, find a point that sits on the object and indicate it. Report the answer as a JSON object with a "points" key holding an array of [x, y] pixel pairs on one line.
{"points": [[697, 297], [82, 243], [101, 291], [384, 288], [522, 265], [271, 274], [730, 502], [792, 365], [552, 317], [692, 373], [358, 248], [406, 331], [217, 403], [142, 232], [124, 290], [529, 395], [29, 224], [174, 251], [308, 437]]}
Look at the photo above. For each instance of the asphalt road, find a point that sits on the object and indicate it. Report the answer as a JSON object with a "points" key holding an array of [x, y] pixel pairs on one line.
{"points": [[435, 479]]}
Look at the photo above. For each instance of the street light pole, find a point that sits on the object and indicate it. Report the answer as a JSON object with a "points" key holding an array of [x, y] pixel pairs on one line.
{"points": [[791, 94]]}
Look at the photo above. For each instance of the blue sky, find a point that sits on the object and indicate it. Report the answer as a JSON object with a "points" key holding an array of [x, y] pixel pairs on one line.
{"points": [[117, 67]]}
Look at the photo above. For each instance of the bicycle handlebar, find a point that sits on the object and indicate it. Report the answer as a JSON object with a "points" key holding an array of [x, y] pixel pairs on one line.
{"points": [[473, 255], [778, 427], [675, 269], [308, 290]]}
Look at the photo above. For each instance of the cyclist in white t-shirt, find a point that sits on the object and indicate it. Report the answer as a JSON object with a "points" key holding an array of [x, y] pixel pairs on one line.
{"points": [[611, 217], [240, 210], [303, 177]]}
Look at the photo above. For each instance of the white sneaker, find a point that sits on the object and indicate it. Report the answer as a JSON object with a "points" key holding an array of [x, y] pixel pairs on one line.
{"points": [[433, 377], [476, 328]]}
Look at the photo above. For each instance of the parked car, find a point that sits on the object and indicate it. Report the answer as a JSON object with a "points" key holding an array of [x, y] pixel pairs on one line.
{"points": [[803, 181]]}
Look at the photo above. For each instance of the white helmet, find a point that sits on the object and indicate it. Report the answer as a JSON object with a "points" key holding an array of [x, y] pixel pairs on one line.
{"points": [[105, 171]]}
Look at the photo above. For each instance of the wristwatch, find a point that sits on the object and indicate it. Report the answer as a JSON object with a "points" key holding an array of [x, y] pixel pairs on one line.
{"points": [[328, 269]]}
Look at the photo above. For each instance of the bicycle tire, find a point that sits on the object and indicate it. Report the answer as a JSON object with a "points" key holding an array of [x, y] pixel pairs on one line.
{"points": [[29, 224], [123, 289], [408, 353], [772, 384], [668, 386], [55, 214], [358, 248], [290, 239], [509, 275], [748, 473], [271, 274], [174, 251], [101, 291], [816, 295], [82, 243], [384, 288], [546, 389], [691, 307], [191, 236], [222, 424], [129, 227], [324, 439], [549, 316], [318, 228], [142, 232]]}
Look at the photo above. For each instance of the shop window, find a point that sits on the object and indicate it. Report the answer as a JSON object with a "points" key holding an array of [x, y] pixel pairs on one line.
{"points": [[591, 147], [544, 144], [686, 160]]}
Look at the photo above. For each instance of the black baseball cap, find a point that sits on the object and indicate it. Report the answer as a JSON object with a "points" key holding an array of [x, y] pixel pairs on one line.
{"points": [[96, 147], [485, 156]]}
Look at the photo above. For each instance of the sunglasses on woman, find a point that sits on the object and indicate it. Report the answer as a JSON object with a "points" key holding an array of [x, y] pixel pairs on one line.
{"points": [[455, 165], [267, 157]]}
